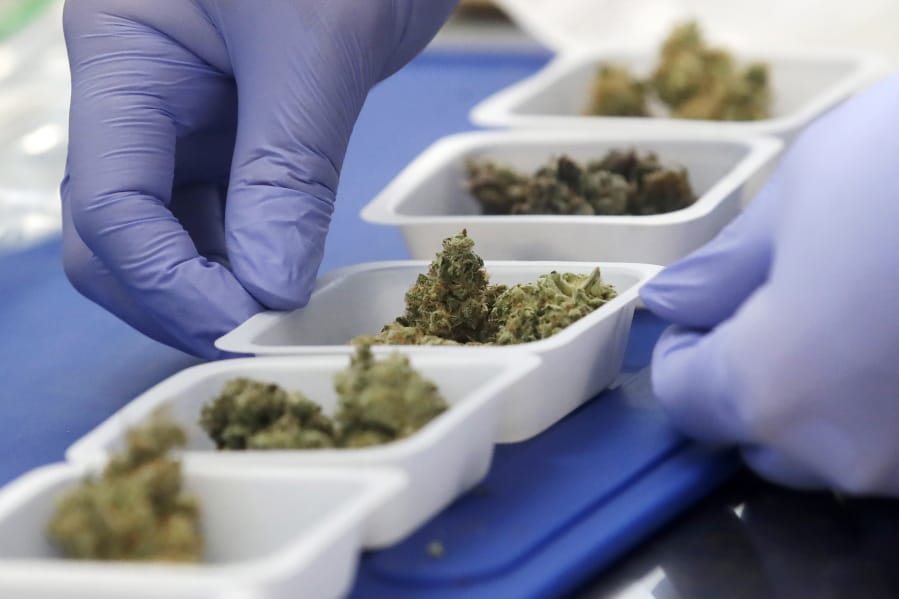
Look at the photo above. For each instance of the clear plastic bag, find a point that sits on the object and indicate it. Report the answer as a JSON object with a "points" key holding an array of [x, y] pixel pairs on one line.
{"points": [[34, 98]]}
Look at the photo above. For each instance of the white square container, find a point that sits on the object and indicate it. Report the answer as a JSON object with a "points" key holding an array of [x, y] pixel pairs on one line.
{"points": [[444, 459], [576, 363], [804, 84], [429, 202], [270, 534]]}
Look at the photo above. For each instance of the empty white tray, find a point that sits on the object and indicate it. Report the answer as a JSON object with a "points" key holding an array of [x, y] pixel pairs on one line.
{"points": [[429, 202], [268, 532], [804, 85], [577, 362], [444, 459]]}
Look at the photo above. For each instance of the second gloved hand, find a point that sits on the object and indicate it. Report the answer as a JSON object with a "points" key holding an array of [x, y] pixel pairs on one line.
{"points": [[788, 336], [206, 142]]}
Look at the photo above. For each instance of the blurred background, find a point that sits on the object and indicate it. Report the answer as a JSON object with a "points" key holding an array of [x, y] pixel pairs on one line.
{"points": [[34, 76]]}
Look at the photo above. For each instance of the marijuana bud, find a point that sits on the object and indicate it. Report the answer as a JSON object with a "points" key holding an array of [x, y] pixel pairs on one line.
{"points": [[694, 80], [619, 183], [539, 310], [516, 314], [499, 189], [135, 511], [616, 92], [381, 401], [378, 402], [452, 300], [249, 414]]}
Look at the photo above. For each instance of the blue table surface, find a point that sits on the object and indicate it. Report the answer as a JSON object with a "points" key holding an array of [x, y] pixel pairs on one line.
{"points": [[552, 511]]}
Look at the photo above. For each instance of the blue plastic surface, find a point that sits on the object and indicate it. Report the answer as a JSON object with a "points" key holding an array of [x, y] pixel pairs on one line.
{"points": [[553, 510], [556, 508]]}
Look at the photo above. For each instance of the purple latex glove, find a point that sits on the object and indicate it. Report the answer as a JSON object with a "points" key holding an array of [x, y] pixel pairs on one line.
{"points": [[206, 141], [788, 336]]}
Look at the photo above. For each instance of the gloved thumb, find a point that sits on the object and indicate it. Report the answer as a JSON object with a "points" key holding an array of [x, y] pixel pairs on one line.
{"points": [[707, 287], [707, 381]]}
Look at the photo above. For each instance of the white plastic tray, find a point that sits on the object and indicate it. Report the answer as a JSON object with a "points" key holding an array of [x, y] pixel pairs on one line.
{"points": [[429, 202], [444, 459], [268, 532], [576, 364], [805, 85]]}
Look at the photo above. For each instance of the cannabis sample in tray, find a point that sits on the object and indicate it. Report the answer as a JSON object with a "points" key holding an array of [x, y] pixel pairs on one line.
{"points": [[622, 182], [379, 401], [454, 303], [136, 510], [691, 81]]}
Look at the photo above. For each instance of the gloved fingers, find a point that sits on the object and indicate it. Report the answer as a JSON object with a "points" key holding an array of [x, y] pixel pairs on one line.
{"points": [[204, 156], [418, 22], [200, 208], [708, 286], [713, 385], [296, 110], [90, 277], [121, 165]]}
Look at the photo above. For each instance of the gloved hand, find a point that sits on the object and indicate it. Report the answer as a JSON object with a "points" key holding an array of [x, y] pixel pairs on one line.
{"points": [[206, 141], [788, 336]]}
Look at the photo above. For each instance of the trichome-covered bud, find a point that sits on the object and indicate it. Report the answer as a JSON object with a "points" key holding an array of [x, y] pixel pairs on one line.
{"points": [[136, 510], [250, 414], [383, 400], [499, 189], [379, 401], [452, 300], [622, 182], [539, 310], [691, 79]]}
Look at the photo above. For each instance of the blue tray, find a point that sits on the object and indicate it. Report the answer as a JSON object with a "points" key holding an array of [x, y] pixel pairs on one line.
{"points": [[552, 511], [557, 508]]}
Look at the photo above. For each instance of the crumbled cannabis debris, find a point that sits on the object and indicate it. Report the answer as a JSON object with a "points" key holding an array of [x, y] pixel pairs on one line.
{"points": [[506, 315], [693, 80], [379, 401], [383, 400], [436, 549], [622, 182], [136, 510]]}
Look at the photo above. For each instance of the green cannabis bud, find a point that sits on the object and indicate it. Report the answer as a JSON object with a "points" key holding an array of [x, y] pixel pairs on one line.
{"points": [[619, 183], [249, 414], [515, 314], [693, 80], [136, 510], [616, 92], [378, 402], [381, 401], [538, 310], [453, 299]]}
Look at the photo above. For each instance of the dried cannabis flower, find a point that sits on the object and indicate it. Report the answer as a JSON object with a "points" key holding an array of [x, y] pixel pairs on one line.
{"points": [[378, 402], [694, 80], [617, 93], [515, 314], [381, 401], [452, 301], [136, 510], [619, 183], [538, 310], [250, 414]]}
